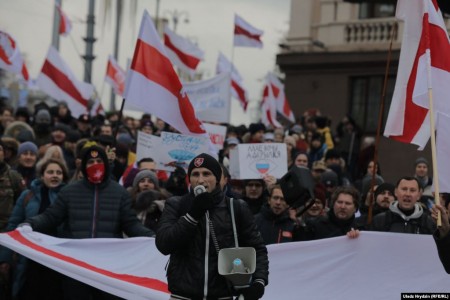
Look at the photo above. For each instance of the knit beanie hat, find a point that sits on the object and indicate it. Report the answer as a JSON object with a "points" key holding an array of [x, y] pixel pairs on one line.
{"points": [[384, 187], [206, 161], [421, 160], [146, 174], [27, 146], [42, 116]]}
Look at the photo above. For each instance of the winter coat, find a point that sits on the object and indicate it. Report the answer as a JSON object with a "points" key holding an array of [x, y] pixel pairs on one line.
{"points": [[394, 220], [443, 247], [274, 228], [189, 244], [27, 206]]}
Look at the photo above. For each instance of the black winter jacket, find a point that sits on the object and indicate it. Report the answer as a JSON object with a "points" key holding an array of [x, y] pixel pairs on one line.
{"points": [[394, 220], [190, 244], [274, 228], [86, 210], [443, 247]]}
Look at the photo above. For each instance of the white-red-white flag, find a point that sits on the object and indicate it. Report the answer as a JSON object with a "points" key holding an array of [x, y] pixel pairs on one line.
{"points": [[182, 53], [153, 86], [58, 81], [245, 35], [65, 25], [279, 94], [97, 108], [10, 58], [115, 76], [269, 106], [424, 63], [237, 89]]}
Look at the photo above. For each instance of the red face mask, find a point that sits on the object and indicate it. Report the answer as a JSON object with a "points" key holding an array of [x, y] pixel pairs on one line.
{"points": [[96, 173]]}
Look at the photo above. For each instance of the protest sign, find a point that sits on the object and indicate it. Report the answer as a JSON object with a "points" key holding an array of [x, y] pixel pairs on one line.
{"points": [[253, 161], [147, 146]]}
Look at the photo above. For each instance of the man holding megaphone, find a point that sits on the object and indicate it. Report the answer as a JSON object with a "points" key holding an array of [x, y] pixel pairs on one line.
{"points": [[195, 227]]}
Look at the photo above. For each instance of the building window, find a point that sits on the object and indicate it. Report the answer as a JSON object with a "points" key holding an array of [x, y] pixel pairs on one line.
{"points": [[369, 10], [365, 101]]}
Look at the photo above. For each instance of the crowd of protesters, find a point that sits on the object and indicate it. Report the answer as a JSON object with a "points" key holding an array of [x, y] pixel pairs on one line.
{"points": [[46, 153]]}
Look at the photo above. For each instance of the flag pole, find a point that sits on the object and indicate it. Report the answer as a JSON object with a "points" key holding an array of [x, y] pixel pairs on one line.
{"points": [[380, 121], [433, 143], [116, 130]]}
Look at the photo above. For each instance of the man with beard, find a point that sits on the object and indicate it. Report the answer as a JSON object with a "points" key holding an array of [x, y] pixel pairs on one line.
{"points": [[273, 220], [384, 195], [340, 219], [405, 215]]}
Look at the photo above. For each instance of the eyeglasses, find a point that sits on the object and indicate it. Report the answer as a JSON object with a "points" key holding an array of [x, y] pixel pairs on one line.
{"points": [[254, 184]]}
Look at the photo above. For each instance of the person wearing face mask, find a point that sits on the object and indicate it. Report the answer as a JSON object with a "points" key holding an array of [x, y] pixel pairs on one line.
{"points": [[31, 280], [93, 207]]}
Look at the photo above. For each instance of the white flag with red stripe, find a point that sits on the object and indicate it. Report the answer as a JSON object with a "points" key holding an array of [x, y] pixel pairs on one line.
{"points": [[245, 35], [268, 106], [237, 89], [279, 94], [65, 25], [97, 108], [58, 81], [182, 53], [134, 269], [10, 58], [153, 86], [424, 63], [115, 76]]}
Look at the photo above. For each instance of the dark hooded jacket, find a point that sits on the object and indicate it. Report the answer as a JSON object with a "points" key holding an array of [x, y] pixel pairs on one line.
{"points": [[274, 228], [190, 244], [88, 210]]}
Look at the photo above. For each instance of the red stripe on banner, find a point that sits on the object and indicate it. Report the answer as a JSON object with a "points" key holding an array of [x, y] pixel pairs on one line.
{"points": [[156, 67], [241, 94], [275, 91], [241, 31], [63, 82], [286, 107], [150, 283], [190, 61], [25, 72]]}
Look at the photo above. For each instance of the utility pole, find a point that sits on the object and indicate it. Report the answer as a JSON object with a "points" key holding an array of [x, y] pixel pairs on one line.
{"points": [[56, 20], [90, 40], [119, 7]]}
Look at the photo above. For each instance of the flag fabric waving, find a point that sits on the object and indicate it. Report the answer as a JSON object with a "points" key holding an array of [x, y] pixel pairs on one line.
{"points": [[153, 86], [182, 53], [58, 81], [245, 35], [282, 104], [268, 106], [115, 76], [134, 268], [10, 58], [237, 89], [423, 64], [65, 25]]}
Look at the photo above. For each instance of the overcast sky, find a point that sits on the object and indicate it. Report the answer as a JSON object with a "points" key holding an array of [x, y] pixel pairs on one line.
{"points": [[210, 25]]}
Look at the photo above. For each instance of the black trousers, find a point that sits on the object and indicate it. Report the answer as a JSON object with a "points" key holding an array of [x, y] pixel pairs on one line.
{"points": [[76, 290]]}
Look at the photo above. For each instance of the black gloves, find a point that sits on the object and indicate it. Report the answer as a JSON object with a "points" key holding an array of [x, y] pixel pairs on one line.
{"points": [[253, 292], [200, 204]]}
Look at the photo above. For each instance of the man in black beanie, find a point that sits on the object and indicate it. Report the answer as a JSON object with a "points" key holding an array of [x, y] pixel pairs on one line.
{"points": [[194, 227]]}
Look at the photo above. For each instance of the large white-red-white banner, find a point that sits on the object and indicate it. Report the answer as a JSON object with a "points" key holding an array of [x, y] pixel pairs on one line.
{"points": [[58, 81], [424, 64], [211, 98], [11, 59], [374, 266], [152, 85]]}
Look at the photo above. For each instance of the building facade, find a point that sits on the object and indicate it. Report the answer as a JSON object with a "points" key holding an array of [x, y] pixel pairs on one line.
{"points": [[335, 59]]}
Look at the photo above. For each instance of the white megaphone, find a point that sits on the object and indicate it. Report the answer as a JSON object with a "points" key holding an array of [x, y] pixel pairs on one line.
{"points": [[237, 265]]}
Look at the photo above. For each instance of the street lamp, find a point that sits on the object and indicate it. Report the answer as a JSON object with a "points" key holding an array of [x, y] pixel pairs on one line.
{"points": [[176, 16]]}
